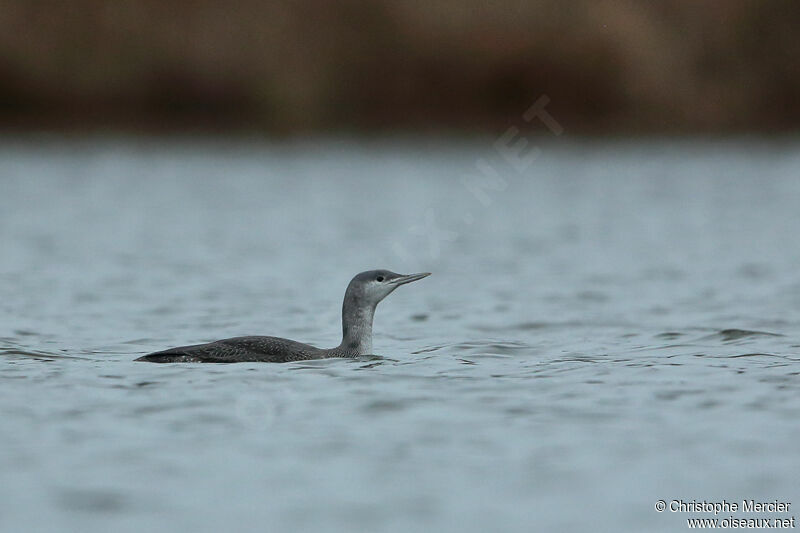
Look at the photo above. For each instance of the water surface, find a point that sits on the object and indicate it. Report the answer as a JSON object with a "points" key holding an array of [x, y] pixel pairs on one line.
{"points": [[617, 324]]}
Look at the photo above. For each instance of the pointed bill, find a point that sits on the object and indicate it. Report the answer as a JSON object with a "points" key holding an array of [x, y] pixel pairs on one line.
{"points": [[408, 278]]}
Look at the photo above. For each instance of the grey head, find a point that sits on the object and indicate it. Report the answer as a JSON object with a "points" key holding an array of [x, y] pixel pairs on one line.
{"points": [[363, 294], [370, 287]]}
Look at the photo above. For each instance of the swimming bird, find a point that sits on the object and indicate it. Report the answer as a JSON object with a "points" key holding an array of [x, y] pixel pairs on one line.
{"points": [[361, 298]]}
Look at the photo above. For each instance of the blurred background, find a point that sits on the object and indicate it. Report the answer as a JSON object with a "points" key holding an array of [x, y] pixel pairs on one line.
{"points": [[611, 67]]}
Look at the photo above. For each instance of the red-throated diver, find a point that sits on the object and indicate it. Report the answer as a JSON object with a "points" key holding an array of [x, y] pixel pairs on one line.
{"points": [[362, 296]]}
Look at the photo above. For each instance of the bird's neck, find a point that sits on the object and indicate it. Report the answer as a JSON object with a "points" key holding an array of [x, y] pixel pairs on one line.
{"points": [[356, 327]]}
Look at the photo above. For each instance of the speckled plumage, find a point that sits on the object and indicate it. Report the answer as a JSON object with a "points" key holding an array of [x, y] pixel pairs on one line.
{"points": [[363, 294], [239, 349]]}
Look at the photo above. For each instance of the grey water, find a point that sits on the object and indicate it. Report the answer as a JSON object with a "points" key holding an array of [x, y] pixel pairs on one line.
{"points": [[613, 324]]}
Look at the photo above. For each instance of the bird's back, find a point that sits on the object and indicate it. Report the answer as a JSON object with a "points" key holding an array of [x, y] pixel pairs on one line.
{"points": [[239, 349]]}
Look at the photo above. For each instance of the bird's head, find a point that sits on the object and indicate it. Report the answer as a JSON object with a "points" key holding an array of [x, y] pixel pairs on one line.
{"points": [[372, 286]]}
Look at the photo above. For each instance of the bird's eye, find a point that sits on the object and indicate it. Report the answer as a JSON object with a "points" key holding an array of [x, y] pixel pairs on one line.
{"points": [[379, 278]]}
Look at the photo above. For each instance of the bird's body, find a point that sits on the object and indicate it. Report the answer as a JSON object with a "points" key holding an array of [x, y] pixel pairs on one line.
{"points": [[239, 349], [358, 309]]}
